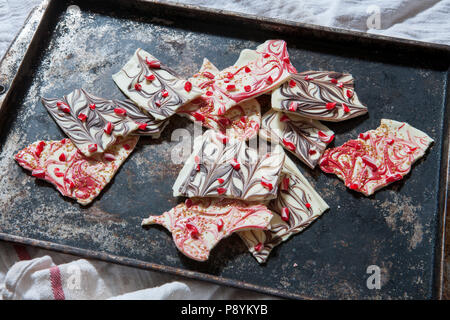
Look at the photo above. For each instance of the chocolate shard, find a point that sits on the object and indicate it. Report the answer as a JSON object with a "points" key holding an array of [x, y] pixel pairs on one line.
{"points": [[321, 95], [72, 173], [241, 121], [297, 205], [378, 157], [200, 223], [224, 167], [307, 139], [92, 123], [153, 86]]}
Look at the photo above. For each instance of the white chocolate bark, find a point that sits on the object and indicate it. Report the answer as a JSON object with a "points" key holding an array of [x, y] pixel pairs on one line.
{"points": [[224, 167], [199, 224], [307, 139], [153, 86], [304, 206]]}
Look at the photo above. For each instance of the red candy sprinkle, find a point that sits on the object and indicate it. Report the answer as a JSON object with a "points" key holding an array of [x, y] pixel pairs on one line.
{"points": [[349, 94], [334, 81], [71, 185], [269, 80], [247, 88], [354, 186], [235, 164], [58, 173], [346, 108], [266, 55], [293, 107], [82, 117], [390, 141], [209, 93], [312, 152], [138, 86], [394, 177], [198, 116], [330, 105], [266, 184], [289, 145], [307, 78], [153, 64], [150, 77], [325, 138], [193, 230], [108, 128], [286, 59], [292, 83], [231, 87], [109, 157], [220, 180], [142, 126], [340, 85], [258, 247], [247, 69], [220, 224], [120, 111], [40, 148], [62, 157], [62, 106], [364, 136], [222, 137], [188, 203], [285, 184], [188, 86], [208, 74], [285, 214], [308, 205], [38, 173], [221, 190], [92, 147], [92, 106], [284, 118], [165, 94], [126, 146], [370, 162], [63, 141], [158, 103]]}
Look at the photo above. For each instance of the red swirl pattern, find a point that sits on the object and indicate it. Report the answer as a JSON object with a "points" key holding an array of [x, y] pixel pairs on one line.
{"points": [[241, 121], [199, 224], [72, 173], [377, 158]]}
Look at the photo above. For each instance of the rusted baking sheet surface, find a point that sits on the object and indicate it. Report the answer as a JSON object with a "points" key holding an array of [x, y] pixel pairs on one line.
{"points": [[82, 43]]}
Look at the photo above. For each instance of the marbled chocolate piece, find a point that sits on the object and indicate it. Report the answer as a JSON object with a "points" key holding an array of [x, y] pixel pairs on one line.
{"points": [[307, 139], [200, 223], [241, 121], [92, 123], [321, 95], [223, 167], [148, 125], [153, 86], [72, 173], [378, 157], [295, 208]]}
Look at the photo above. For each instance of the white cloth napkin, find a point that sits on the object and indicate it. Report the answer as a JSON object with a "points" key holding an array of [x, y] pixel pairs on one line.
{"points": [[31, 273]]}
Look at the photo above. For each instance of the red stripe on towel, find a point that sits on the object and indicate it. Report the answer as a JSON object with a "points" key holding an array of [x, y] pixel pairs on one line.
{"points": [[21, 252], [55, 280]]}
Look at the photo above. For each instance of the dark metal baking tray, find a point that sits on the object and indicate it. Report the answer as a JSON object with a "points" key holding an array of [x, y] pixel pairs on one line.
{"points": [[71, 44]]}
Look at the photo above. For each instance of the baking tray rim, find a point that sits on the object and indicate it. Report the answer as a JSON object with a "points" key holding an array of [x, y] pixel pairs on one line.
{"points": [[444, 188]]}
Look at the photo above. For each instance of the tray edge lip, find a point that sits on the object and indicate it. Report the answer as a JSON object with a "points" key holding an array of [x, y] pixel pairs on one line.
{"points": [[45, 4]]}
